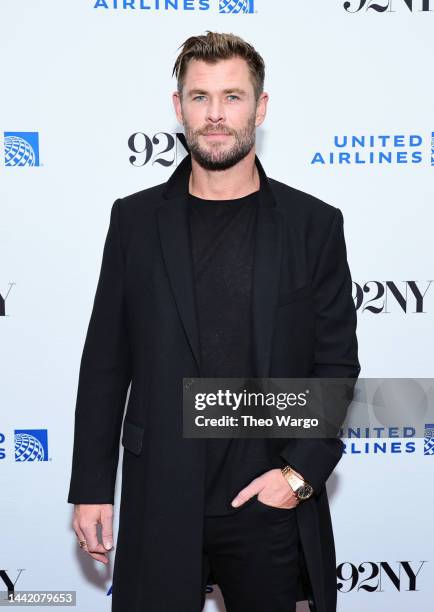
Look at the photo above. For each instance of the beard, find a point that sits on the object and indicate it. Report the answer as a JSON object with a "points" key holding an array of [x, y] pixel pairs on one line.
{"points": [[217, 156]]}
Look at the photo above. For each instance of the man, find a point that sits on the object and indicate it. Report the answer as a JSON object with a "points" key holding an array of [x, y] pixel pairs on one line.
{"points": [[220, 272]]}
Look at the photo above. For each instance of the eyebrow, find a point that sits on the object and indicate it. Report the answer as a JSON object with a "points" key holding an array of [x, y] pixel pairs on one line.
{"points": [[238, 90]]}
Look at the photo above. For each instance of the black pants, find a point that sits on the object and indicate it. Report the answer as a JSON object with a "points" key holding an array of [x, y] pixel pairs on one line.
{"points": [[253, 557]]}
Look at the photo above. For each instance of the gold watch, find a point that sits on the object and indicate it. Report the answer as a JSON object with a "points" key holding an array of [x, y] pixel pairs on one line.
{"points": [[301, 488]]}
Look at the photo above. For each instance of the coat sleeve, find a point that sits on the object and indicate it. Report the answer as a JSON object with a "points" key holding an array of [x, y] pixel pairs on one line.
{"points": [[104, 377], [336, 351]]}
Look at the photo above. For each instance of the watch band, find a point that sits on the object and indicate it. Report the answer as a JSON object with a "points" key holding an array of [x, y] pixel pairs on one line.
{"points": [[301, 488], [294, 481]]}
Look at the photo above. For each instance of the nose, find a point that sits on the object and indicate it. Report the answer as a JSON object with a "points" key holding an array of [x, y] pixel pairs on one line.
{"points": [[215, 111]]}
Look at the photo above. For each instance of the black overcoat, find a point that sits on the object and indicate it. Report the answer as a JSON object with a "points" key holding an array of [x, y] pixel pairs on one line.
{"points": [[143, 331]]}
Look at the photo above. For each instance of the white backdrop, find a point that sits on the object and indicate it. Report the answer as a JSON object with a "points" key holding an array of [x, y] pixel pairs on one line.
{"points": [[85, 78]]}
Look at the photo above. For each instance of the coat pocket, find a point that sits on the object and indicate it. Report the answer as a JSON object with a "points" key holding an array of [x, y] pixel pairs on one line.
{"points": [[297, 294], [132, 437]]}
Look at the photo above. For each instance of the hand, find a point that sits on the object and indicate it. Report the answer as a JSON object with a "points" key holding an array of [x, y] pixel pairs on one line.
{"points": [[85, 520], [272, 489]]}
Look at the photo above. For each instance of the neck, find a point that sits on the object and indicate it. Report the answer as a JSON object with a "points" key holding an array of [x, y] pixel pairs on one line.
{"points": [[235, 182]]}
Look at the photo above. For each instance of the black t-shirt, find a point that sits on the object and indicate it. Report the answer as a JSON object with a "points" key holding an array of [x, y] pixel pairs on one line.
{"points": [[222, 233]]}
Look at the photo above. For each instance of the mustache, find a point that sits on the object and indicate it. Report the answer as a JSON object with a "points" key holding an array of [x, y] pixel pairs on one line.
{"points": [[215, 131]]}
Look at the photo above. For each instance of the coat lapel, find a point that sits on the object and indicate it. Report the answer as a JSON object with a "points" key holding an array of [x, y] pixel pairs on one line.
{"points": [[173, 223], [176, 246], [266, 277]]}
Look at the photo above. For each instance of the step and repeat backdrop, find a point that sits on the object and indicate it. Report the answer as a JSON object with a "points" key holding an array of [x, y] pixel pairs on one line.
{"points": [[86, 117]]}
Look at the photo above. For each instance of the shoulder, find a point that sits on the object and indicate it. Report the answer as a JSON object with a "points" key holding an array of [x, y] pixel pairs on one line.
{"points": [[309, 219], [301, 205], [137, 210], [145, 199]]}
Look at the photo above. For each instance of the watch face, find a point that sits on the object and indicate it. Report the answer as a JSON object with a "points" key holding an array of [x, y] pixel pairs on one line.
{"points": [[304, 492]]}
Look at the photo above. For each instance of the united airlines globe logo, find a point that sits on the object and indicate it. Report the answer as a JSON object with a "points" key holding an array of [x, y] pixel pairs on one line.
{"points": [[21, 148], [31, 445], [236, 6], [428, 448]]}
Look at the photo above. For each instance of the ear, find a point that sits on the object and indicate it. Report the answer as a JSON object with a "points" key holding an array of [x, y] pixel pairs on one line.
{"points": [[261, 108], [176, 99]]}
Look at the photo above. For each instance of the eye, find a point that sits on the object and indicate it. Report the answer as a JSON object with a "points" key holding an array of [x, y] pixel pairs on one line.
{"points": [[233, 96], [196, 97]]}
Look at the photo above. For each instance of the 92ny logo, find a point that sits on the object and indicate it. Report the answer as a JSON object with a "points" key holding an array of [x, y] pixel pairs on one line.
{"points": [[387, 5], [377, 576], [163, 148], [381, 297]]}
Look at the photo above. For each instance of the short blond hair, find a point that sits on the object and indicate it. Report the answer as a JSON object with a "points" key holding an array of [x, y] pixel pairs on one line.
{"points": [[213, 47]]}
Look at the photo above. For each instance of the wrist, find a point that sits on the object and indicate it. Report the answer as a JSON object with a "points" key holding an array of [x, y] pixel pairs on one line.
{"points": [[296, 473]]}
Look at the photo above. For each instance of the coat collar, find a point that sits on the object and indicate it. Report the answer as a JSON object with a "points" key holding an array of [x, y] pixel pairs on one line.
{"points": [[177, 185], [174, 230]]}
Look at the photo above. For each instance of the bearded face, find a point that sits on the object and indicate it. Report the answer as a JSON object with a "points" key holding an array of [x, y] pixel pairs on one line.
{"points": [[219, 111], [218, 147]]}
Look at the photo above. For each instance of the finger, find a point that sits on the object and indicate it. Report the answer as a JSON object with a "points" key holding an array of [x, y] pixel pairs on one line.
{"points": [[245, 494], [81, 537], [107, 530], [78, 531], [94, 548], [99, 557], [91, 538]]}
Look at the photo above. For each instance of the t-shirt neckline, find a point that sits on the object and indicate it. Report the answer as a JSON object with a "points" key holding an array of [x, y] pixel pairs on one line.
{"points": [[231, 202]]}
